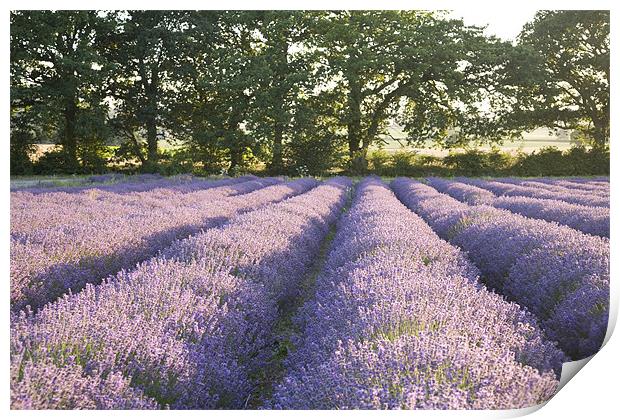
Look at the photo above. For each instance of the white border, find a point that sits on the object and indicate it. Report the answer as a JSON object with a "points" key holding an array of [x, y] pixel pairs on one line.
{"points": [[592, 395]]}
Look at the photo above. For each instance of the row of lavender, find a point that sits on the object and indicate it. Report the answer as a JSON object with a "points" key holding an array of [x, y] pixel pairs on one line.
{"points": [[588, 219], [126, 184], [518, 188], [67, 207], [561, 185], [48, 262], [186, 329], [559, 274], [399, 320]]}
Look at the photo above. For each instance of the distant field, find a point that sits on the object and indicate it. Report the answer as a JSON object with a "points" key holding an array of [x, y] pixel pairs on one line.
{"points": [[531, 142], [526, 146]]}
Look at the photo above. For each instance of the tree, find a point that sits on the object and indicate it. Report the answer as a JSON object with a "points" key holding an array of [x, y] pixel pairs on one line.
{"points": [[56, 74], [316, 147], [562, 77], [415, 66], [218, 87], [145, 49], [285, 56]]}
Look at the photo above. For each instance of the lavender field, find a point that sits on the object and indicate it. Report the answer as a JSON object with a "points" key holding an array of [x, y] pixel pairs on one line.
{"points": [[274, 293]]}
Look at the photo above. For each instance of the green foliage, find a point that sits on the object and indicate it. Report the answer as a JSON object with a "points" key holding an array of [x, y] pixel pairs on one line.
{"points": [[212, 160], [559, 76], [313, 156], [93, 159], [57, 72], [577, 161], [93, 131], [475, 162], [175, 162], [379, 161], [147, 49], [21, 149], [22, 139], [301, 92], [284, 58], [124, 157], [53, 161], [219, 88], [405, 163], [385, 65]]}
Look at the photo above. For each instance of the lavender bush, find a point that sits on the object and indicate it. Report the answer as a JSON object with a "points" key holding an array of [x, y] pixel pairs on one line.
{"points": [[399, 321], [46, 263], [575, 197], [592, 220], [30, 212], [183, 330], [544, 266], [585, 186], [544, 184]]}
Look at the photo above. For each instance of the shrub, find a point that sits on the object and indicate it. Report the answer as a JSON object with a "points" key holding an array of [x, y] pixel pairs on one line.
{"points": [[588, 162], [379, 160], [405, 163], [54, 161], [175, 162], [475, 162], [545, 162], [577, 161], [21, 149], [94, 158], [313, 156]]}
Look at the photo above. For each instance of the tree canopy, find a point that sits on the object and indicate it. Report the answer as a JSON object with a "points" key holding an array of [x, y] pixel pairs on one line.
{"points": [[561, 73], [295, 87]]}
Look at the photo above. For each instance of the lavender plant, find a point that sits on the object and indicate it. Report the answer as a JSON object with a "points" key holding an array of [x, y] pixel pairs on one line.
{"points": [[399, 320], [47, 263], [183, 330], [561, 275], [500, 188], [587, 219], [544, 184]]}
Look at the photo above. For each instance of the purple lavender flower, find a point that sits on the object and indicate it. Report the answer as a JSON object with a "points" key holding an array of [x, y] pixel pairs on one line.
{"points": [[48, 262], [535, 263], [588, 219], [182, 330], [399, 320], [502, 188]]}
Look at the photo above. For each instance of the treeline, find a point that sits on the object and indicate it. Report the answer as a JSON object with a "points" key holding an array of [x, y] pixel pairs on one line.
{"points": [[292, 89]]}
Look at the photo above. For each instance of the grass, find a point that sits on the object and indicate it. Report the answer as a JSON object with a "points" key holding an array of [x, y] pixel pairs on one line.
{"points": [[48, 180], [286, 328]]}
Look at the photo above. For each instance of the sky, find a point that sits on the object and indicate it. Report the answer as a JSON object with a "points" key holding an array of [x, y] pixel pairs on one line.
{"points": [[503, 23]]}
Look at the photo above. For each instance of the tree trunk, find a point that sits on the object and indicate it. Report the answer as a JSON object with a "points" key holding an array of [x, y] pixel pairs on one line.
{"points": [[281, 70], [357, 153], [151, 145], [276, 161], [69, 138], [151, 90], [601, 134], [235, 140], [236, 158]]}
